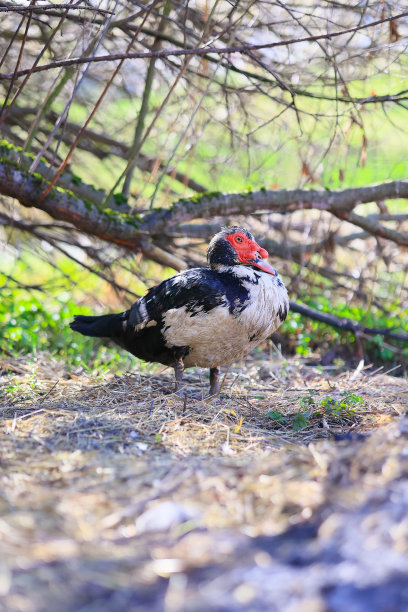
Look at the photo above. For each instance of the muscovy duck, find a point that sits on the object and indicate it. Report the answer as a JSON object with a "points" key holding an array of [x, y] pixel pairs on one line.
{"points": [[205, 317]]}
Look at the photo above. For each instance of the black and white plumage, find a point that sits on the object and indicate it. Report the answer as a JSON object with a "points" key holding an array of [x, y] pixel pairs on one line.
{"points": [[206, 317]]}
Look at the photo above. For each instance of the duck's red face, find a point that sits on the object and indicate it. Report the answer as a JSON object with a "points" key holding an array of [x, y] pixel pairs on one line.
{"points": [[249, 252]]}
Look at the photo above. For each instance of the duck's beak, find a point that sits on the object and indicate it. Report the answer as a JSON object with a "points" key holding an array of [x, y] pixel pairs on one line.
{"points": [[258, 259], [263, 265]]}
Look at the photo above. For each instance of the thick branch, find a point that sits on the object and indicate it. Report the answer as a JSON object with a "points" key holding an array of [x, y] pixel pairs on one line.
{"points": [[133, 232], [340, 203], [123, 230], [63, 205], [119, 228]]}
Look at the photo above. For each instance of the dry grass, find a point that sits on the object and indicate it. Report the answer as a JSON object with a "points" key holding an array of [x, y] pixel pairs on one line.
{"points": [[117, 495]]}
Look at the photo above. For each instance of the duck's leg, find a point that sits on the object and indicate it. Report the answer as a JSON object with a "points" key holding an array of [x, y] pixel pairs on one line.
{"points": [[178, 371], [214, 381]]}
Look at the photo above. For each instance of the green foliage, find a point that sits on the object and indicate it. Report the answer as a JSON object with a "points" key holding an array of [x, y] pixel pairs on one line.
{"points": [[341, 411], [29, 324], [345, 406], [37, 318]]}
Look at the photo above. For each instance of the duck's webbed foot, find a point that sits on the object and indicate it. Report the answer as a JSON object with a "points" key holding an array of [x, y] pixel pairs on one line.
{"points": [[214, 381], [179, 371]]}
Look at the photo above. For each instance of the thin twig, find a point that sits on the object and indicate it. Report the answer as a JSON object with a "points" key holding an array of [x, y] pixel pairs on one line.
{"points": [[53, 7], [95, 108], [137, 140], [202, 50]]}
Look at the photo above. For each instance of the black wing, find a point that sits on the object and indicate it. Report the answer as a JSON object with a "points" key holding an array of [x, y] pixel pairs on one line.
{"points": [[199, 290]]}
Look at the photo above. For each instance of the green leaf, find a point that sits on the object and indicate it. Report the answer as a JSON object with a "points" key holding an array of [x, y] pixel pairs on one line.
{"points": [[299, 422], [276, 416]]}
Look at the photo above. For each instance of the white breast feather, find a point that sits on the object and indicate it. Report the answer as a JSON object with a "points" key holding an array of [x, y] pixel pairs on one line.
{"points": [[217, 337]]}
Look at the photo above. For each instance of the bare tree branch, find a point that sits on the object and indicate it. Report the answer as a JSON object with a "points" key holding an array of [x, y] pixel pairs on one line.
{"points": [[9, 8], [134, 232], [161, 54]]}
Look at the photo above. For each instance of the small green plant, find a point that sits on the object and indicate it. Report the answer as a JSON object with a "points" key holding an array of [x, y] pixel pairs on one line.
{"points": [[346, 406], [340, 410]]}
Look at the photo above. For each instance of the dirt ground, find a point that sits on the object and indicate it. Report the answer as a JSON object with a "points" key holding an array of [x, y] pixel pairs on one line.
{"points": [[118, 496]]}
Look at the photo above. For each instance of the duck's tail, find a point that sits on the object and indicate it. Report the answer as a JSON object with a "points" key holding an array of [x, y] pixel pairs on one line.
{"points": [[104, 326]]}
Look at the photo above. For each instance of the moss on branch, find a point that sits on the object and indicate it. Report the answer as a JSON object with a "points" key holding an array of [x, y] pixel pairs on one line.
{"points": [[61, 203], [118, 226]]}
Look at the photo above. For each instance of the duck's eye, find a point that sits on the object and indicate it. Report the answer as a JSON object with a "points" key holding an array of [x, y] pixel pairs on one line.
{"points": [[238, 239]]}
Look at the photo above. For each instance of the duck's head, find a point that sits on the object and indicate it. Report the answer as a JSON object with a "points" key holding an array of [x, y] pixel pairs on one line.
{"points": [[235, 246]]}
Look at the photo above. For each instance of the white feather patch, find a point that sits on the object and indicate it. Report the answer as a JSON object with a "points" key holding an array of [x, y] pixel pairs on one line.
{"points": [[217, 337], [145, 324]]}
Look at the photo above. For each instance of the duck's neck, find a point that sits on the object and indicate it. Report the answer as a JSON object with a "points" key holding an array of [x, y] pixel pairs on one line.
{"points": [[221, 253]]}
